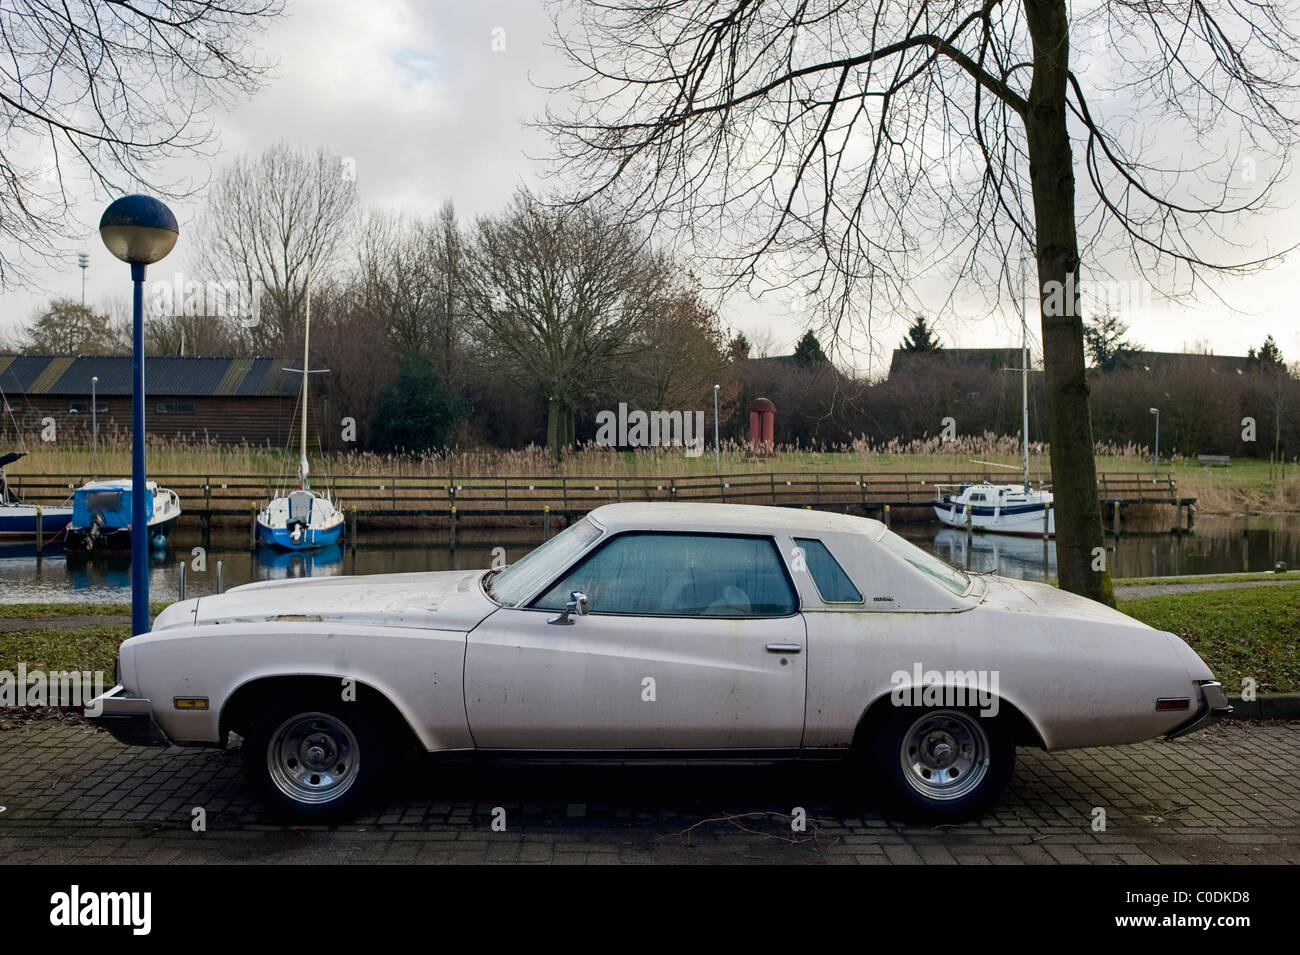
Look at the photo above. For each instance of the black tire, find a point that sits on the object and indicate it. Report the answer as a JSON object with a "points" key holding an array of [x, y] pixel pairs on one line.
{"points": [[315, 758], [969, 759]]}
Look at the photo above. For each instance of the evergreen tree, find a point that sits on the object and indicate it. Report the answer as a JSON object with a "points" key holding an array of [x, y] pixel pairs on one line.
{"points": [[920, 337], [1267, 358], [809, 351], [1105, 342], [417, 413]]}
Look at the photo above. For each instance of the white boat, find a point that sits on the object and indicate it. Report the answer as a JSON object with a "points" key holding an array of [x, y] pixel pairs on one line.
{"points": [[303, 519], [998, 508], [1002, 508]]}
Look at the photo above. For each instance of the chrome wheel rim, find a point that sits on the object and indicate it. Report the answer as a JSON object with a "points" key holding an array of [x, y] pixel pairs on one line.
{"points": [[945, 755], [313, 758]]}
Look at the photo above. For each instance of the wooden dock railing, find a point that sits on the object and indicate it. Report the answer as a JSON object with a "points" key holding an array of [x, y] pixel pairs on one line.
{"points": [[396, 495]]}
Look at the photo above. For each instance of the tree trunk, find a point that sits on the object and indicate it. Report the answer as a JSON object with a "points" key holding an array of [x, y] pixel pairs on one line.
{"points": [[560, 428], [1079, 536], [553, 436]]}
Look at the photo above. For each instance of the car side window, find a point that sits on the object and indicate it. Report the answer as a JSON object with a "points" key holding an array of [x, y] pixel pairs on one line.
{"points": [[832, 582], [680, 575]]}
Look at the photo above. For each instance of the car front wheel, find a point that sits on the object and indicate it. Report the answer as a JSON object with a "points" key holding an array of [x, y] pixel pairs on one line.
{"points": [[939, 765], [314, 759]]}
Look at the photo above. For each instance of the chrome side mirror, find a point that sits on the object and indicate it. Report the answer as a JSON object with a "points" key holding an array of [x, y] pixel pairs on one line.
{"points": [[577, 604]]}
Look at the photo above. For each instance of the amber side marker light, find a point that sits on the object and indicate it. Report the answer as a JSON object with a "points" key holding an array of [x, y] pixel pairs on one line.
{"points": [[190, 702], [1174, 703]]}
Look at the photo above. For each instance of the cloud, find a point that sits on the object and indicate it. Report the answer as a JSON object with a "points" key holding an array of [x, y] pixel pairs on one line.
{"points": [[431, 101]]}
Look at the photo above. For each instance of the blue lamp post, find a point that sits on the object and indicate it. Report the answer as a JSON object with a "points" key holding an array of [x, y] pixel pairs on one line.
{"points": [[139, 230]]}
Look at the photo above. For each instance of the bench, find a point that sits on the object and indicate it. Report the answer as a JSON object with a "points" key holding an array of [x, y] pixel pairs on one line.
{"points": [[1214, 460]]}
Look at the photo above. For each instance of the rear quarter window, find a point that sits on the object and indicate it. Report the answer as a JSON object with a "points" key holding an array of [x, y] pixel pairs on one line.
{"points": [[832, 583]]}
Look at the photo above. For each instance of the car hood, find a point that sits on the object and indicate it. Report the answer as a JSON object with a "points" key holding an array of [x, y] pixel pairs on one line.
{"points": [[382, 600], [1026, 596]]}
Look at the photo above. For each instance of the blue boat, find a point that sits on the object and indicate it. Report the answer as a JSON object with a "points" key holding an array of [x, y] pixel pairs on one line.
{"points": [[101, 515], [302, 519], [18, 520]]}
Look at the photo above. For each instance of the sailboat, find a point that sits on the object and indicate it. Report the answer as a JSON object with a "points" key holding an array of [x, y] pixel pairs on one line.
{"points": [[303, 519], [1002, 508], [18, 520]]}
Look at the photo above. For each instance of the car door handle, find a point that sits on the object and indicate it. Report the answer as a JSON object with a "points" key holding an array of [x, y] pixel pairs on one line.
{"points": [[784, 647]]}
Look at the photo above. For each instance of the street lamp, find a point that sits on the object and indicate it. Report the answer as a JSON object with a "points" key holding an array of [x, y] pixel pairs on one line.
{"points": [[1155, 460], [717, 454], [139, 230], [94, 426]]}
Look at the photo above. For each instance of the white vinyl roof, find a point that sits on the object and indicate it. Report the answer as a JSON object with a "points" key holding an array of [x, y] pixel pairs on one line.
{"points": [[730, 519]]}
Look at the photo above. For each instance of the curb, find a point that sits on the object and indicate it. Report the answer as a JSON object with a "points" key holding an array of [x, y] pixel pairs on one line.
{"points": [[1268, 706]]}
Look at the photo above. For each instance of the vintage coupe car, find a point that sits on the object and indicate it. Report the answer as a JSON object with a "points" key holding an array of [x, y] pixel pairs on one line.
{"points": [[699, 631]]}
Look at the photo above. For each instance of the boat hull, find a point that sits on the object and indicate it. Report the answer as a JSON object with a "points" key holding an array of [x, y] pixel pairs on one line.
{"points": [[1022, 519], [112, 539], [18, 521], [308, 539]]}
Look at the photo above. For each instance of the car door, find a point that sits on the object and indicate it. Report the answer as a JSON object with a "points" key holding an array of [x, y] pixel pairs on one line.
{"points": [[691, 642]]}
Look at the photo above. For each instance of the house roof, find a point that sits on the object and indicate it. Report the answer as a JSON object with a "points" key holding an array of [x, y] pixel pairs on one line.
{"points": [[994, 359], [1161, 360], [164, 376]]}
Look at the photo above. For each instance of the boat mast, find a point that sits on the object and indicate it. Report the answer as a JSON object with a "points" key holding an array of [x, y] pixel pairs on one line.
{"points": [[306, 336]]}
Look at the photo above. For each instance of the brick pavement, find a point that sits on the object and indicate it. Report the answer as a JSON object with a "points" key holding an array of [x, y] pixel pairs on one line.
{"points": [[1227, 795]]}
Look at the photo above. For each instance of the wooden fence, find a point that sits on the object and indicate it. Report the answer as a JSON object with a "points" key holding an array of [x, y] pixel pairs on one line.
{"points": [[379, 495]]}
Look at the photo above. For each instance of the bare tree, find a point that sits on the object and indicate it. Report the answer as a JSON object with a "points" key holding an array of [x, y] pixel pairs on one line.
{"points": [[181, 334], [853, 147], [269, 221], [108, 91], [66, 327], [680, 353], [409, 275], [556, 295]]}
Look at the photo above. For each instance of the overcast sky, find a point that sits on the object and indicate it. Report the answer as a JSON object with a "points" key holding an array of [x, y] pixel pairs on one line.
{"points": [[415, 93]]}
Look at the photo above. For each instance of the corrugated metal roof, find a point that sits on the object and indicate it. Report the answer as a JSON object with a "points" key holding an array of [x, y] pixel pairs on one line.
{"points": [[234, 376], [164, 376], [51, 374]]}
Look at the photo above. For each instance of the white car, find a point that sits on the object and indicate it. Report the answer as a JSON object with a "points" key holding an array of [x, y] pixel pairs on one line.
{"points": [[662, 630]]}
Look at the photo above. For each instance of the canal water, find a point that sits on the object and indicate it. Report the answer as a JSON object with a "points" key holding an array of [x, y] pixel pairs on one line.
{"points": [[1217, 545]]}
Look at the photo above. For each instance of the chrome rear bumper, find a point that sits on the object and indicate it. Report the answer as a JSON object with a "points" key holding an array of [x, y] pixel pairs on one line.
{"points": [[1214, 706]]}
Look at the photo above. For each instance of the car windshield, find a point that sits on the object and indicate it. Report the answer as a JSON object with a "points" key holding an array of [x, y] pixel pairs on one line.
{"points": [[516, 583], [927, 563]]}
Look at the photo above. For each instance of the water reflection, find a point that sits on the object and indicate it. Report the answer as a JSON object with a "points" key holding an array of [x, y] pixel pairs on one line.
{"points": [[1021, 557], [287, 564], [1217, 545]]}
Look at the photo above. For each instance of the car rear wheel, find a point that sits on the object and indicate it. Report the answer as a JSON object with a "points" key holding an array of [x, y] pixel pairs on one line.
{"points": [[315, 759], [939, 765]]}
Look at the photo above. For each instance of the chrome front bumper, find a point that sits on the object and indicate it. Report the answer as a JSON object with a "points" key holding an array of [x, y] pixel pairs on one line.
{"points": [[1214, 706], [128, 718]]}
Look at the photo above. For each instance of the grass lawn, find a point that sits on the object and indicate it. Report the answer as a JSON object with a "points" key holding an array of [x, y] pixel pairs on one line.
{"points": [[88, 648], [47, 611], [1249, 632], [1290, 575]]}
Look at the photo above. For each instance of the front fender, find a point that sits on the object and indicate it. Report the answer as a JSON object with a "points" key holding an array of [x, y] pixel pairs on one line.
{"points": [[419, 671]]}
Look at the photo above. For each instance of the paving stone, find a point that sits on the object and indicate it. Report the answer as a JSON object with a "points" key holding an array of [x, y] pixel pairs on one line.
{"points": [[1223, 796]]}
